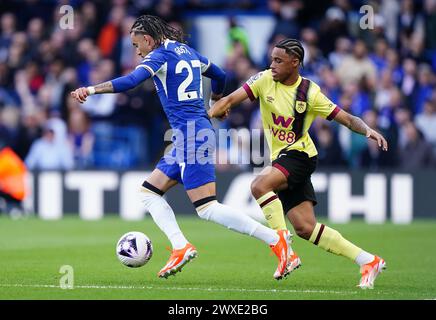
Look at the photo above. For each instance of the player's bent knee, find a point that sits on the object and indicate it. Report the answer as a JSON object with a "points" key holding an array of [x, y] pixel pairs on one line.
{"points": [[148, 187], [304, 231], [202, 207], [258, 188], [149, 193]]}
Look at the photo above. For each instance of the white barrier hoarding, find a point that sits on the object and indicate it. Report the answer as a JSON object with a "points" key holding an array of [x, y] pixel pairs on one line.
{"points": [[377, 197]]}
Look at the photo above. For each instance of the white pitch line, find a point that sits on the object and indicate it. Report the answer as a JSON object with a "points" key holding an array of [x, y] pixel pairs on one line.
{"points": [[180, 288]]}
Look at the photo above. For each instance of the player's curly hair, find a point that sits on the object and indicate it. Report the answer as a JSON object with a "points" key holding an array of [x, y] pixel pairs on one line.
{"points": [[157, 28], [292, 47]]}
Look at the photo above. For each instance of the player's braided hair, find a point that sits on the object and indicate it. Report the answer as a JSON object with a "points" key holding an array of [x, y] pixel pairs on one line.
{"points": [[292, 46], [157, 28]]}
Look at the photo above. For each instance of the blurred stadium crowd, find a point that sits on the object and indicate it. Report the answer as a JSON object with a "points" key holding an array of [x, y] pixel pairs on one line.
{"points": [[385, 74]]}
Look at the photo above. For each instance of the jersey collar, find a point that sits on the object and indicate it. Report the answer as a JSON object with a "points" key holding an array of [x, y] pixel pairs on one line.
{"points": [[293, 85]]}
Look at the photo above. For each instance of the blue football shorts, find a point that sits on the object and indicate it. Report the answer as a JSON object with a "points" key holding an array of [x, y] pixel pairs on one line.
{"points": [[191, 160]]}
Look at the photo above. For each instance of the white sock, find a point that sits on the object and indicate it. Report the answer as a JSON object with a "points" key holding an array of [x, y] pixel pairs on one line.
{"points": [[164, 217], [238, 221], [364, 257]]}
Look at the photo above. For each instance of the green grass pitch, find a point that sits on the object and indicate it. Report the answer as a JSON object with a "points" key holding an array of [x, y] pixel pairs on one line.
{"points": [[229, 265]]}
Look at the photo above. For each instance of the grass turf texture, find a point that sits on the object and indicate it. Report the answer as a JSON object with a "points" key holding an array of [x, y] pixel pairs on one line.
{"points": [[229, 265]]}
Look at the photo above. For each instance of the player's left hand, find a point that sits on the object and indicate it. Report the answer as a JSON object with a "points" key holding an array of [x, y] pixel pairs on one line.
{"points": [[381, 141]]}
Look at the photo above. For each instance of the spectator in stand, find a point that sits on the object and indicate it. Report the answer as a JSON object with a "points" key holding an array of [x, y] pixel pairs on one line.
{"points": [[390, 9], [402, 117], [90, 20], [51, 151], [34, 76], [332, 28], [378, 57], [360, 99], [286, 13], [8, 29], [9, 122], [111, 31], [384, 88], [29, 130], [430, 31], [358, 67], [370, 157], [238, 39], [387, 122], [409, 82], [426, 122], [351, 144], [342, 49], [417, 153], [80, 138], [46, 51], [35, 32], [127, 57], [313, 58], [394, 65], [8, 95], [17, 57], [410, 26], [167, 10], [377, 30], [89, 56], [329, 149], [426, 81], [330, 83]]}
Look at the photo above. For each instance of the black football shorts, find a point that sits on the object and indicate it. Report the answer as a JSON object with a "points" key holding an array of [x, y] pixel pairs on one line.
{"points": [[297, 167]]}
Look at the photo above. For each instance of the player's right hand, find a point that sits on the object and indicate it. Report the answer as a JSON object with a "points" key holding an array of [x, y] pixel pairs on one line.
{"points": [[212, 113], [381, 141], [80, 94], [224, 115]]}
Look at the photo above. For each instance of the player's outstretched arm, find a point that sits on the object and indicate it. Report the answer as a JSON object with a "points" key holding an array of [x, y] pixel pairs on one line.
{"points": [[359, 126], [82, 93], [120, 84], [222, 106]]}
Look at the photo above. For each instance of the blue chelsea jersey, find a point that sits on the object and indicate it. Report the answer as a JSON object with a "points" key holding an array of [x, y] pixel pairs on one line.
{"points": [[176, 70]]}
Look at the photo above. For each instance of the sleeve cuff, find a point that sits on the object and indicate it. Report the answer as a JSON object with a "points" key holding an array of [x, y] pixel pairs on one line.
{"points": [[249, 92], [205, 67], [333, 114], [149, 69]]}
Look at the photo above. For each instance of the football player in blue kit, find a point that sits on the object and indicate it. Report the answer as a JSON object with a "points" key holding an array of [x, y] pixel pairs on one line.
{"points": [[177, 71]]}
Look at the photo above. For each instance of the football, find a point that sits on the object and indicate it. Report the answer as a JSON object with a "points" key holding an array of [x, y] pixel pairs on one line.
{"points": [[134, 249]]}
